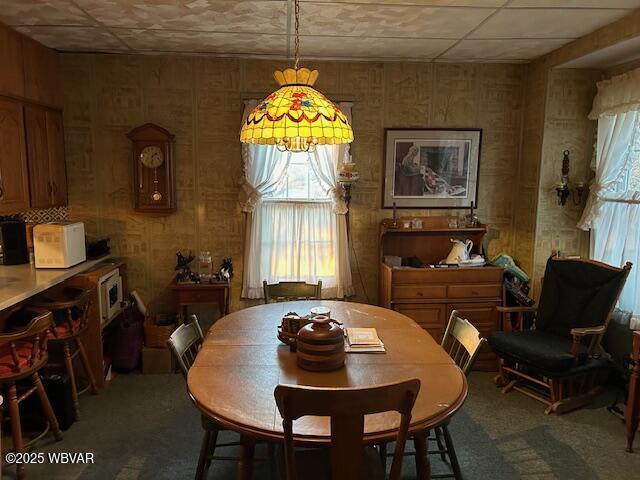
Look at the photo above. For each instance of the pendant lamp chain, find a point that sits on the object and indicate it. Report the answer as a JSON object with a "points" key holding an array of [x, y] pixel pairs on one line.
{"points": [[296, 50]]}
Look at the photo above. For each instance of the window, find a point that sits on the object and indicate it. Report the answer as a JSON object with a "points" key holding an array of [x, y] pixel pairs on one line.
{"points": [[296, 230], [299, 183]]}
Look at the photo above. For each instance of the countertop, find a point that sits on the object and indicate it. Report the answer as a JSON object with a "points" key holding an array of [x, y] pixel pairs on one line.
{"points": [[19, 282]]}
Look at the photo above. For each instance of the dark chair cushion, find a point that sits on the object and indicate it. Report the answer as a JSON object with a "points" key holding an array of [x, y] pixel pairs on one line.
{"points": [[577, 294], [544, 351]]}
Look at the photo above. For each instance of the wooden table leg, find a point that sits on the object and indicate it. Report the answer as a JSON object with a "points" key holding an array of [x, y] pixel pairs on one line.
{"points": [[423, 465], [245, 465]]}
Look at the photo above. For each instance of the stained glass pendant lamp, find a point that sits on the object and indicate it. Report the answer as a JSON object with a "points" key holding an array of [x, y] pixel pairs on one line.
{"points": [[296, 117]]}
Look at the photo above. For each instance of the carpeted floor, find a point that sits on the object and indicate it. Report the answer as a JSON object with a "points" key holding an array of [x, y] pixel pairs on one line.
{"points": [[144, 427]]}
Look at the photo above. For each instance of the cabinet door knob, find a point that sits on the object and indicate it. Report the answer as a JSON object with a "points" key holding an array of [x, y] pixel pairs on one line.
{"points": [[49, 188], [1, 192]]}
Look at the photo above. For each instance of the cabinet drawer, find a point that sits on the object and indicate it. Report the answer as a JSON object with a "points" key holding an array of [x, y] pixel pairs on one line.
{"points": [[192, 297], [419, 291], [429, 317], [475, 291]]}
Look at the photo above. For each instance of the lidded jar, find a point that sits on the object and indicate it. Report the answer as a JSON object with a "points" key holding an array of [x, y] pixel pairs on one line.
{"points": [[320, 345]]}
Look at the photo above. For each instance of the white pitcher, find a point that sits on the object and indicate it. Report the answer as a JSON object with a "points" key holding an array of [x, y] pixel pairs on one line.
{"points": [[460, 251]]}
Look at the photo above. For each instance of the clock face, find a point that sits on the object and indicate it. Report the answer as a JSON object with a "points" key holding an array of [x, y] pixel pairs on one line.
{"points": [[151, 156]]}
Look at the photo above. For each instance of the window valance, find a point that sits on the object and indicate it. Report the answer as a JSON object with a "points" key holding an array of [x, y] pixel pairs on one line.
{"points": [[619, 94]]}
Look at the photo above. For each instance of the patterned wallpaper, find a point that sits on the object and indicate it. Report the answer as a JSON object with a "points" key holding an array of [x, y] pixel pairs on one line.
{"points": [[200, 100], [569, 98]]}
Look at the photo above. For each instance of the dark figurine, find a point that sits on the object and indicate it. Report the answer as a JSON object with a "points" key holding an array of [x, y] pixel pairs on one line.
{"points": [[183, 267], [226, 269]]}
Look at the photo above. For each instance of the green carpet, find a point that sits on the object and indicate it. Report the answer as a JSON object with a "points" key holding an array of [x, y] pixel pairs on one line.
{"points": [[144, 427]]}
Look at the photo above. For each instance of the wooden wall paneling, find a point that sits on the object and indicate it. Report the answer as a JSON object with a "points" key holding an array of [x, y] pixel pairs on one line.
{"points": [[38, 156], [14, 196], [42, 73], [11, 73], [57, 167]]}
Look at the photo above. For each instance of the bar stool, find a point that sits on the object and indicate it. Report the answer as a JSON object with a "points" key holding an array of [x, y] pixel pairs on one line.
{"points": [[70, 309], [22, 354]]}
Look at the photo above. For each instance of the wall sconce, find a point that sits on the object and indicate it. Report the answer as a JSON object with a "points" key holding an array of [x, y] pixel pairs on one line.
{"points": [[347, 176], [563, 190]]}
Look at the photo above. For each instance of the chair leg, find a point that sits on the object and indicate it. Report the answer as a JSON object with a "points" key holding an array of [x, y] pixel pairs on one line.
{"points": [[455, 466], [441, 447], [46, 406], [213, 443], [16, 428], [204, 454], [68, 361], [423, 465], [383, 455], [85, 364]]}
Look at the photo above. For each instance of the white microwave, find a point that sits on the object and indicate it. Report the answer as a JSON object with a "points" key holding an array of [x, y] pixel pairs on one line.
{"points": [[59, 244], [110, 295]]}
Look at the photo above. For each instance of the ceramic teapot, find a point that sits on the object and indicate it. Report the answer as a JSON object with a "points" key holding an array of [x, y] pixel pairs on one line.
{"points": [[460, 251]]}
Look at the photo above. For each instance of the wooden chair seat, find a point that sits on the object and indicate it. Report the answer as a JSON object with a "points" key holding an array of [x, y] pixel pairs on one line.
{"points": [[315, 464]]}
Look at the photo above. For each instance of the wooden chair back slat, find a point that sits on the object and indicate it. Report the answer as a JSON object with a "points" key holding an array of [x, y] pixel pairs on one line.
{"points": [[346, 408], [462, 342], [288, 291], [185, 343]]}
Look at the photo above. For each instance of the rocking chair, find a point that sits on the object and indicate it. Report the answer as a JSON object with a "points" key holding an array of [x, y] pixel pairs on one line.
{"points": [[560, 361]]}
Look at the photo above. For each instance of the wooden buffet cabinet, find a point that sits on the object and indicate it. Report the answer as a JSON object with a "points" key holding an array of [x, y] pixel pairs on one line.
{"points": [[429, 295], [32, 165]]}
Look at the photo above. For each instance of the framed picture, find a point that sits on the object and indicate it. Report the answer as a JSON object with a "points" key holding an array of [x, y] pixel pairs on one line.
{"points": [[431, 168]]}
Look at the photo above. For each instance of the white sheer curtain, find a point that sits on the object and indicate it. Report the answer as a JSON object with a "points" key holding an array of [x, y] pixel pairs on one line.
{"points": [[294, 241], [613, 208]]}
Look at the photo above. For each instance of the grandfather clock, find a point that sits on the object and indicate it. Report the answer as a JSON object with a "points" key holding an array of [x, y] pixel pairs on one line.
{"points": [[153, 170]]}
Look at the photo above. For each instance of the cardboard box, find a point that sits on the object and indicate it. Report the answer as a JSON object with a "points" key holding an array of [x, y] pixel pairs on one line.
{"points": [[157, 360]]}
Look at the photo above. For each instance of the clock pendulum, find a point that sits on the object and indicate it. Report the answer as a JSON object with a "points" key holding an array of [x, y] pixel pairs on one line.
{"points": [[156, 196], [152, 157]]}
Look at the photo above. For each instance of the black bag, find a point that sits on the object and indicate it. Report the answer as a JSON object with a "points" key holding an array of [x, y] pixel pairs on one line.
{"points": [[127, 340]]}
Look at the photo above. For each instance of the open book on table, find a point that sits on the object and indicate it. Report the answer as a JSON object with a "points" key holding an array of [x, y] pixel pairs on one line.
{"points": [[363, 340]]}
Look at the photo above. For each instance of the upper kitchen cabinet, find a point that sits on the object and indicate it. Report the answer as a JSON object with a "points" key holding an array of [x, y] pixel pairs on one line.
{"points": [[11, 73], [45, 154], [14, 186], [42, 73]]}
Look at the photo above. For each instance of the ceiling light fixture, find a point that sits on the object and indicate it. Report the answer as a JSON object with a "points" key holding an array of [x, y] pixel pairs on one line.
{"points": [[296, 117]]}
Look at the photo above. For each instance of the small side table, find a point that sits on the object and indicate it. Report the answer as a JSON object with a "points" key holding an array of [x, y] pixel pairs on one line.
{"points": [[202, 294]]}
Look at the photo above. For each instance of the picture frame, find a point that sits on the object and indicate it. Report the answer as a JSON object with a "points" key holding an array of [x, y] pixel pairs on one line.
{"points": [[431, 168]]}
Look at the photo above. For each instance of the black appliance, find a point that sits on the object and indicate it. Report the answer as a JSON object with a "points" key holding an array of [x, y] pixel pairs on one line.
{"points": [[58, 388], [13, 241]]}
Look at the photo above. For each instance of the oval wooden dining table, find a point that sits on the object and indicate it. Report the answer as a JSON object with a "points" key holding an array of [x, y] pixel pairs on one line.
{"points": [[242, 361]]}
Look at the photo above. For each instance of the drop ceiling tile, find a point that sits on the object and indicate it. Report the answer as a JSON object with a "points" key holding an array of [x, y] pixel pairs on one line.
{"points": [[545, 23], [358, 47], [575, 3], [203, 42], [42, 12], [364, 20], [521, 49], [95, 39], [428, 3], [195, 15]]}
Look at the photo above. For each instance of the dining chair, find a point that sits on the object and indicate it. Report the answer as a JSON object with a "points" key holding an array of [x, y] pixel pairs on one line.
{"points": [[22, 354], [346, 458], [185, 343], [290, 291], [462, 341], [70, 308]]}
